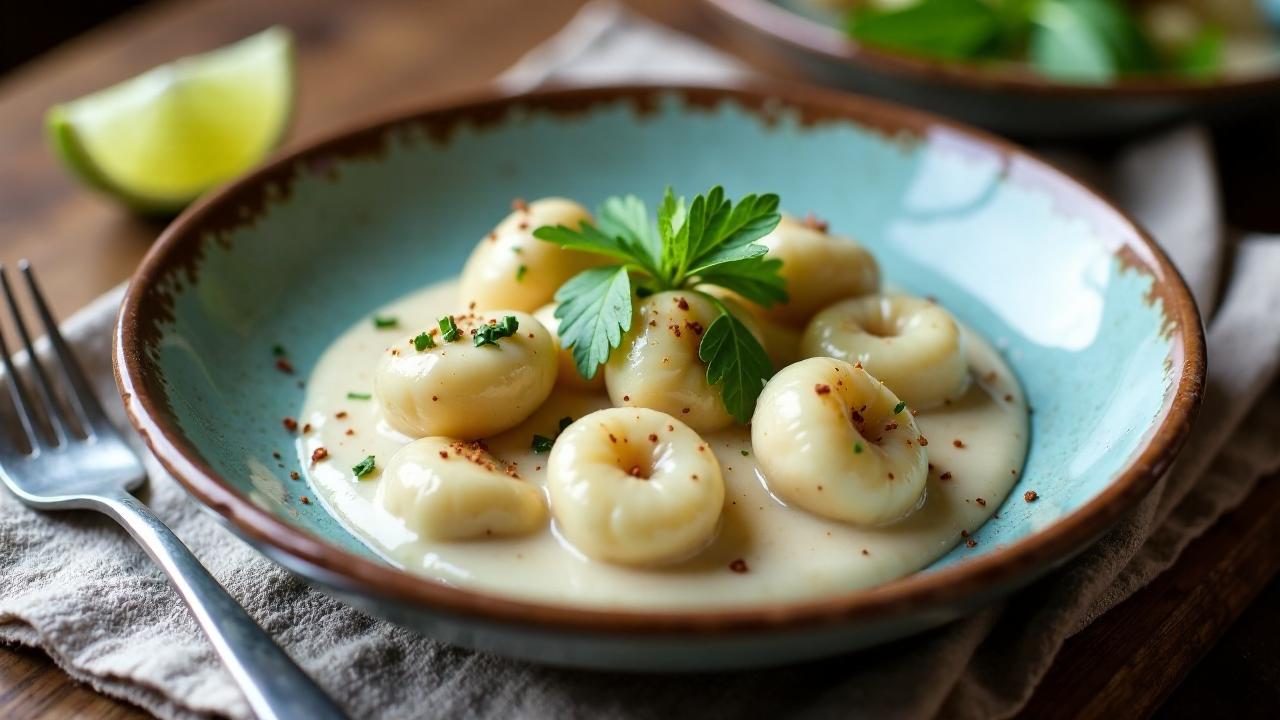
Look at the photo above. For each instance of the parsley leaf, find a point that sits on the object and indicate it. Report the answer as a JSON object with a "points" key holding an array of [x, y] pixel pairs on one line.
{"points": [[947, 29], [757, 280], [1202, 57], [627, 217], [594, 312], [735, 361]]}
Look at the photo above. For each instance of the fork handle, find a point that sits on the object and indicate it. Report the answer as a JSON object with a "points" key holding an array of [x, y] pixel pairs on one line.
{"points": [[275, 687]]}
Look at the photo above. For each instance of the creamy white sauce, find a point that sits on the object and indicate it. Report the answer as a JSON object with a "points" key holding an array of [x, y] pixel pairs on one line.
{"points": [[789, 553]]}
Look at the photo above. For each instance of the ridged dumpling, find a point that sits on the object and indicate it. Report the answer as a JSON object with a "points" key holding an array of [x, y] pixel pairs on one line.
{"points": [[457, 389], [510, 268], [911, 344], [447, 489], [657, 365], [832, 439], [634, 486]]}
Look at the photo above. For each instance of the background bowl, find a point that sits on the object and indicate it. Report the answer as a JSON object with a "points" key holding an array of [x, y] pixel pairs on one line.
{"points": [[1100, 329], [1009, 100]]}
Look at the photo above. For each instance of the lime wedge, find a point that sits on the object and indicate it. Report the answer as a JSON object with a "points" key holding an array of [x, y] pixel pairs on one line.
{"points": [[159, 140]]}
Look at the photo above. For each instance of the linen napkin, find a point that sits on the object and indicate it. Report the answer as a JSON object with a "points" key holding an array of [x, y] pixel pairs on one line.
{"points": [[76, 586]]}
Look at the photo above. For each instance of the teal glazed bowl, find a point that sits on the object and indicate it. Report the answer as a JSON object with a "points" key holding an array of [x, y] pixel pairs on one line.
{"points": [[1009, 99], [1088, 311]]}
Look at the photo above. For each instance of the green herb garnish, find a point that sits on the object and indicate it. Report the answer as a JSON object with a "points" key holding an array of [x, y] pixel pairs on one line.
{"points": [[899, 407], [278, 350], [708, 241], [745, 453], [359, 396], [422, 341], [542, 444], [857, 448], [565, 422], [1091, 41], [449, 329], [364, 467], [520, 271], [388, 321], [490, 333]]}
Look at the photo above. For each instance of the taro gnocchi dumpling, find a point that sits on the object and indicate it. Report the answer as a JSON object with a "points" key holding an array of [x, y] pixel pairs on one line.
{"points": [[819, 268], [474, 375], [832, 439], [658, 365], [510, 268], [568, 375], [635, 486], [447, 489], [911, 344]]}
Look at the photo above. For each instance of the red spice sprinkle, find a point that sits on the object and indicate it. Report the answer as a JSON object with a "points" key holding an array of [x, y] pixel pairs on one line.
{"points": [[319, 454], [822, 389], [694, 477], [305, 500], [444, 454], [684, 411], [890, 476], [923, 441], [1030, 496], [739, 566], [890, 427], [866, 551], [626, 398], [958, 443], [293, 475], [964, 533], [519, 205], [634, 471], [653, 437], [981, 502], [671, 428], [812, 222], [435, 398], [523, 225], [695, 327], [290, 424], [276, 455], [284, 366], [702, 448], [682, 303], [613, 438], [340, 414], [819, 488], [856, 417], [945, 476], [971, 543], [351, 431], [306, 428], [1008, 398]]}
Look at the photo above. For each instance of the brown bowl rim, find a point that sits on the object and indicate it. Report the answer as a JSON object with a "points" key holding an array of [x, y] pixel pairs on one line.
{"points": [[180, 243], [805, 34]]}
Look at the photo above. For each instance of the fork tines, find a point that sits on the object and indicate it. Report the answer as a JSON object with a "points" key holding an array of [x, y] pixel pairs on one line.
{"points": [[44, 420]]}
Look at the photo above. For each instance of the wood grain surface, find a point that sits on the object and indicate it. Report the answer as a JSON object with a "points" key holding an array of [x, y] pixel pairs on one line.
{"points": [[359, 58]]}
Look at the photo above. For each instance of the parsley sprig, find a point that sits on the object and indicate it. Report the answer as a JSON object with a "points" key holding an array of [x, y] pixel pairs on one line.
{"points": [[707, 241]]}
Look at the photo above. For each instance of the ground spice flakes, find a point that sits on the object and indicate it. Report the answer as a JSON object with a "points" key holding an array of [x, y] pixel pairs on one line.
{"points": [[319, 454], [290, 424], [293, 475], [739, 566], [1030, 496], [305, 500]]}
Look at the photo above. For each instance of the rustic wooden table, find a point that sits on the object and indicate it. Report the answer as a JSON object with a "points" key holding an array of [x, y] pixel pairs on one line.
{"points": [[356, 59]]}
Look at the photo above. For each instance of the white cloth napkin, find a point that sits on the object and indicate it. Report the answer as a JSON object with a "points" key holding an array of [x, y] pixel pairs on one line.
{"points": [[74, 585]]}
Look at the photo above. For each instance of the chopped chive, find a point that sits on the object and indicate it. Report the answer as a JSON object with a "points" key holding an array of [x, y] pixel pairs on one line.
{"points": [[277, 350], [364, 467], [509, 325], [359, 396], [899, 407], [449, 329], [388, 321], [517, 249], [744, 453], [643, 291], [486, 335], [542, 444], [857, 448], [565, 422], [520, 271], [423, 341]]}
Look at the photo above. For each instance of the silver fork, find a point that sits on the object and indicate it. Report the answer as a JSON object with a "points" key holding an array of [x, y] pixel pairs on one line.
{"points": [[80, 461]]}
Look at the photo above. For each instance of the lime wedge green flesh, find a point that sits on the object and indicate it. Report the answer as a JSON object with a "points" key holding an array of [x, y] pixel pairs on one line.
{"points": [[166, 136]]}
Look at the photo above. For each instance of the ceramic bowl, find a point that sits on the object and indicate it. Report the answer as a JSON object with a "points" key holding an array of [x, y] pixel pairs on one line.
{"points": [[1085, 307], [1010, 100]]}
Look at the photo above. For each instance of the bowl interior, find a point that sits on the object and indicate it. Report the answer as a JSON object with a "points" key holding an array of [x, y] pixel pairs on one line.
{"points": [[1087, 314]]}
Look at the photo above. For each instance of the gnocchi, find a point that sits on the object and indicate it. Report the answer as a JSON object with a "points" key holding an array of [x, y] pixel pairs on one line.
{"points": [[657, 365], [819, 268], [510, 268], [833, 440], [912, 344], [459, 390], [450, 490], [634, 486]]}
